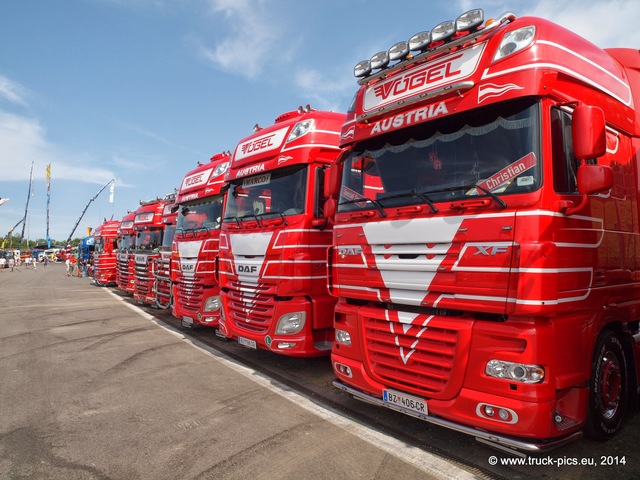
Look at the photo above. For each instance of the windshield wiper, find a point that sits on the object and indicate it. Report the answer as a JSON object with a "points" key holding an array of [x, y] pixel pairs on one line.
{"points": [[274, 212], [413, 193], [489, 193], [254, 216], [370, 200], [232, 217]]}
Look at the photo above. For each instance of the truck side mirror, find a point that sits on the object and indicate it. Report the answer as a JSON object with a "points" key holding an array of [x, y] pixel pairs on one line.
{"points": [[334, 178], [588, 132], [594, 179]]}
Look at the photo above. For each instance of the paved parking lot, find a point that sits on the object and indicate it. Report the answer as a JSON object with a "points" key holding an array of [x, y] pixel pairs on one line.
{"points": [[93, 388]]}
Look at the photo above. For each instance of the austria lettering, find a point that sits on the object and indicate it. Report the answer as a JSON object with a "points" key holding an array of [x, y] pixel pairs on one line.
{"points": [[408, 118]]}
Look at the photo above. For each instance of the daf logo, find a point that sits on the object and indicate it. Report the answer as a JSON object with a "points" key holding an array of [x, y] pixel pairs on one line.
{"points": [[490, 250], [348, 251], [247, 268]]}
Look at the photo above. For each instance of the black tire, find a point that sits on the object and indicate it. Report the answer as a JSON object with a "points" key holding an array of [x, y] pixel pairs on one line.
{"points": [[608, 388]]}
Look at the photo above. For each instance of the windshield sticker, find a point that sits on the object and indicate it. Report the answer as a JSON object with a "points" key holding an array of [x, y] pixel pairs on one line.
{"points": [[349, 195], [257, 180], [508, 173]]}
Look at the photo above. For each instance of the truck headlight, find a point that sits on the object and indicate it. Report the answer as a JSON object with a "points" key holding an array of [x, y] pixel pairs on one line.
{"points": [[515, 41], [518, 372], [290, 323], [212, 304], [300, 129], [343, 337]]}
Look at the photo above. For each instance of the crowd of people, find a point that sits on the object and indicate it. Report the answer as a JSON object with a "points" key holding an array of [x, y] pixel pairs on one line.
{"points": [[72, 266]]}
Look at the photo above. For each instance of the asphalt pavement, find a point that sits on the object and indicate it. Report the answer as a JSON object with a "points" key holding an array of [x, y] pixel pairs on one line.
{"points": [[92, 387]]}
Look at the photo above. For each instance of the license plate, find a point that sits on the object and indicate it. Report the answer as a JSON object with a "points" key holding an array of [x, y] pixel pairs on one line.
{"points": [[404, 400], [247, 342], [187, 322]]}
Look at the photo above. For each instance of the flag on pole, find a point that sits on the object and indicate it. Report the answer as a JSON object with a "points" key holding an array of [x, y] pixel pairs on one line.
{"points": [[48, 177], [111, 190]]}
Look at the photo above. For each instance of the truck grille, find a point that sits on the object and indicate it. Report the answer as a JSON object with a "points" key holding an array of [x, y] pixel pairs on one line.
{"points": [[123, 274], [163, 281], [144, 279], [104, 268], [250, 309], [416, 359], [188, 294]]}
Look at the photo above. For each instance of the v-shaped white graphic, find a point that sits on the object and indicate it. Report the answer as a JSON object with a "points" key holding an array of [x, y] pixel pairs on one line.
{"points": [[406, 320]]}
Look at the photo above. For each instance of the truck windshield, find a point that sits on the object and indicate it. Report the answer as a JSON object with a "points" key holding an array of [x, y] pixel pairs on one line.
{"points": [[493, 151], [148, 239], [200, 215], [99, 244], [167, 238], [273, 194], [126, 242]]}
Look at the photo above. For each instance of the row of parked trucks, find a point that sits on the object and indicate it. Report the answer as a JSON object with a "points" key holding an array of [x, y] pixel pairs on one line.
{"points": [[464, 243]]}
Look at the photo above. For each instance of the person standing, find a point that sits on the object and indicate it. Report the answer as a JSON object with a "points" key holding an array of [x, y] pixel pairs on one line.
{"points": [[12, 263], [67, 263]]}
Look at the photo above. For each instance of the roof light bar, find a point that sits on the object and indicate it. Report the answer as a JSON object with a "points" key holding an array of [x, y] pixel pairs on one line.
{"points": [[380, 60], [399, 51], [443, 31], [469, 21], [420, 41], [362, 69]]}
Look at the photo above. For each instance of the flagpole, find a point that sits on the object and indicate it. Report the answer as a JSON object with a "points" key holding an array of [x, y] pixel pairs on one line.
{"points": [[26, 208], [48, 177]]}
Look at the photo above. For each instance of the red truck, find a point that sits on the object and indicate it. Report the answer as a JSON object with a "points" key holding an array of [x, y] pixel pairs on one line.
{"points": [[104, 253], [490, 284], [149, 228], [275, 234], [162, 270], [126, 240], [200, 200]]}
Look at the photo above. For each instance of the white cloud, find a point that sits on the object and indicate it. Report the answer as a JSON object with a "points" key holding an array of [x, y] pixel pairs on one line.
{"points": [[599, 22], [607, 24], [252, 41], [23, 140], [12, 91], [325, 93]]}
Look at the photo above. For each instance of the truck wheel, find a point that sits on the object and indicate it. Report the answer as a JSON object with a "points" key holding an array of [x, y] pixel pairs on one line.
{"points": [[608, 388]]}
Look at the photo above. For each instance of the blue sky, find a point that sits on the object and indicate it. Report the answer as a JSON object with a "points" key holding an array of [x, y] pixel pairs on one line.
{"points": [[141, 90]]}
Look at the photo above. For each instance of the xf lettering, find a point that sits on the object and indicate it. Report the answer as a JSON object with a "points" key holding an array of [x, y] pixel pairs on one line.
{"points": [[491, 250]]}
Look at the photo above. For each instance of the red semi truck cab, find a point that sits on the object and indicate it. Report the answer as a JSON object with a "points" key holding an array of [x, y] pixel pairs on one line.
{"points": [[162, 270], [275, 234], [200, 200], [149, 228], [104, 253], [125, 275], [488, 282]]}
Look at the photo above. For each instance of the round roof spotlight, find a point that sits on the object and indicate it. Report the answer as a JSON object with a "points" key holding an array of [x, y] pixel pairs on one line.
{"points": [[380, 60], [362, 69], [399, 51], [470, 20], [443, 31], [420, 41]]}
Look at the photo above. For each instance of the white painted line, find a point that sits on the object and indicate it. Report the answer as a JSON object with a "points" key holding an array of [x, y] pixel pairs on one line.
{"points": [[429, 463]]}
